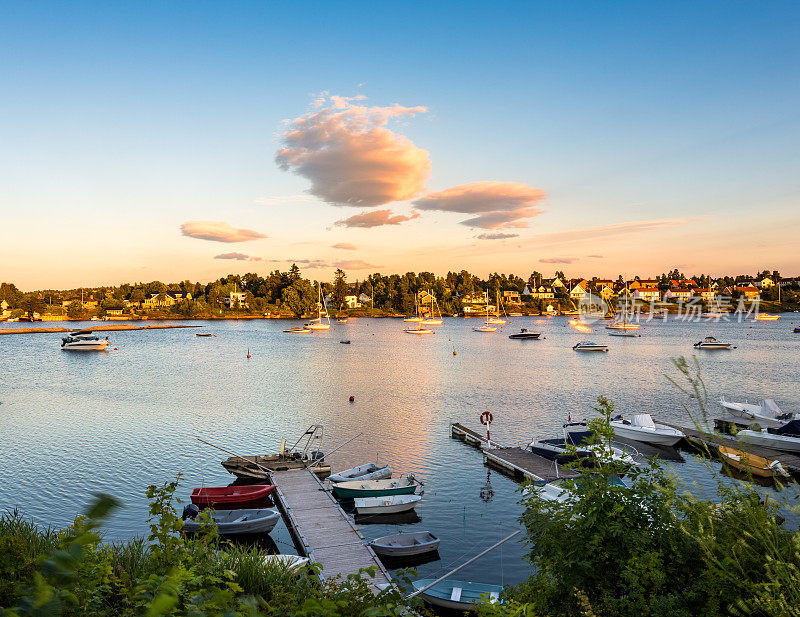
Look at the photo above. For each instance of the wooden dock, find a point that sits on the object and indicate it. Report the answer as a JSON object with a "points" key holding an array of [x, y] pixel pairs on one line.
{"points": [[699, 440], [321, 530], [517, 462]]}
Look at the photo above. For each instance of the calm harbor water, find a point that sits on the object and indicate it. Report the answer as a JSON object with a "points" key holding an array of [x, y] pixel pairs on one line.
{"points": [[72, 424]]}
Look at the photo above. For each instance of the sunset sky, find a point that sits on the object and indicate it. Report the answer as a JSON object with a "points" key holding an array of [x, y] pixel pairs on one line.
{"points": [[170, 141]]}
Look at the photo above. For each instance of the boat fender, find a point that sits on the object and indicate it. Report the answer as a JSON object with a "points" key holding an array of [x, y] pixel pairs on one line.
{"points": [[190, 511]]}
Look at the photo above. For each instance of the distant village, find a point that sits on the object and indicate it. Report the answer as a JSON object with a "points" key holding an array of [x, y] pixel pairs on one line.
{"points": [[288, 294]]}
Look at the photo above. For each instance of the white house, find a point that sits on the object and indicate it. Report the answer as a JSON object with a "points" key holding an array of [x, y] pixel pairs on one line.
{"points": [[649, 294], [235, 297], [581, 288], [352, 302]]}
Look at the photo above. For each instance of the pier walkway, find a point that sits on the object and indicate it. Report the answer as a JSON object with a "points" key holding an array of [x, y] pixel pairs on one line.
{"points": [[321, 530], [519, 463]]}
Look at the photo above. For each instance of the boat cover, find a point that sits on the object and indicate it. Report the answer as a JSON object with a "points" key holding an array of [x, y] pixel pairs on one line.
{"points": [[771, 408], [790, 429], [643, 420]]}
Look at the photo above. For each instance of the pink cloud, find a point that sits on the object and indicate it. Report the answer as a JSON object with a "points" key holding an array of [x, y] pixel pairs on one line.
{"points": [[349, 155], [557, 260], [354, 264], [376, 218], [237, 256], [495, 204], [344, 246], [218, 231]]}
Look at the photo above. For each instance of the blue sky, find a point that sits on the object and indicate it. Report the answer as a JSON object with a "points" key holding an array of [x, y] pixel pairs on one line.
{"points": [[669, 129]]}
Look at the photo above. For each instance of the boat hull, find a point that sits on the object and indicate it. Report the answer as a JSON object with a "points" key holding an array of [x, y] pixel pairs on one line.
{"points": [[770, 440], [662, 436], [418, 331], [442, 594], [86, 346], [231, 496], [248, 469], [391, 504], [239, 522], [362, 472], [748, 463], [405, 544], [352, 493]]}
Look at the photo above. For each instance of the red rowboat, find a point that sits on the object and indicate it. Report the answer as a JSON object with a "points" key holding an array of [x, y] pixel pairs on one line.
{"points": [[231, 496]]}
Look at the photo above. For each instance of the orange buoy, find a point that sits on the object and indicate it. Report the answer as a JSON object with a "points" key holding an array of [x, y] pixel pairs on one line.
{"points": [[248, 352], [352, 399]]}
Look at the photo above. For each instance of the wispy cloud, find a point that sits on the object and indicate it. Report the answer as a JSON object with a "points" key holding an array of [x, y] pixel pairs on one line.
{"points": [[497, 236], [218, 231], [351, 159], [595, 256], [612, 230], [557, 260], [355, 264], [238, 257], [376, 218], [496, 204], [344, 246]]}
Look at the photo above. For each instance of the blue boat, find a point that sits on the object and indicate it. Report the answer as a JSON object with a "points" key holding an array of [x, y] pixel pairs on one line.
{"points": [[457, 595]]}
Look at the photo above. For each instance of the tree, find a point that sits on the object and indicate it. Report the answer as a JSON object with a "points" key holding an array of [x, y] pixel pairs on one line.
{"points": [[299, 298], [340, 288]]}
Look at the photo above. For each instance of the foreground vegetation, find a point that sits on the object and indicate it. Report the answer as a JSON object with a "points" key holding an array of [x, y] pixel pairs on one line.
{"points": [[651, 549]]}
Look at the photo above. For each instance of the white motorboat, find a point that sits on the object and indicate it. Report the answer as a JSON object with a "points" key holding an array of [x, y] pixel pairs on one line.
{"points": [[456, 595], [298, 330], [233, 522], [785, 438], [642, 428], [575, 445], [485, 328], [390, 504], [418, 330], [554, 491], [524, 335], [589, 346], [290, 563], [625, 333], [767, 413], [370, 471], [710, 342], [433, 321], [405, 544], [84, 340]]}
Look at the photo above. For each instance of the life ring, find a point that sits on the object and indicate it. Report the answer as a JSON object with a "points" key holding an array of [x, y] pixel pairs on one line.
{"points": [[486, 418]]}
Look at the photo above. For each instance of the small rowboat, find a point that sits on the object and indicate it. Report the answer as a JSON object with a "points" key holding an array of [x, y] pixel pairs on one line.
{"points": [[457, 595], [375, 488], [750, 463], [203, 334], [370, 471], [238, 522], [298, 330], [231, 495], [405, 544], [391, 504]]}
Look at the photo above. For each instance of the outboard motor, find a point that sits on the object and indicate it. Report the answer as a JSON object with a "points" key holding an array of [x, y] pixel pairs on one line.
{"points": [[190, 511], [317, 455]]}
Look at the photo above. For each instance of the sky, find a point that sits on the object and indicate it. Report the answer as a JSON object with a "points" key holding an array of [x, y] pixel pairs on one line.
{"points": [[172, 141]]}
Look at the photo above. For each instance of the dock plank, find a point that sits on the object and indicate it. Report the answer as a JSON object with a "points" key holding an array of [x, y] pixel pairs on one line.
{"points": [[320, 528]]}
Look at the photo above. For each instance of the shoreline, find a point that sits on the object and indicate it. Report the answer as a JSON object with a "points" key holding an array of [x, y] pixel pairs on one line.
{"points": [[106, 328]]}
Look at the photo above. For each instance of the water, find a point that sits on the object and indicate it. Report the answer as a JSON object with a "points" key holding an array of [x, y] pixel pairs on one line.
{"points": [[72, 424]]}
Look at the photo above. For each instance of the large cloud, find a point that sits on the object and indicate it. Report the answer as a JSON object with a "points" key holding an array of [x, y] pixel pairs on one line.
{"points": [[349, 155], [355, 264], [495, 204], [218, 231], [376, 218]]}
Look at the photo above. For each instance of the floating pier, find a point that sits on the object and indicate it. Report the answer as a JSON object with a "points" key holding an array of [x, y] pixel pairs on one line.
{"points": [[321, 530], [517, 462]]}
